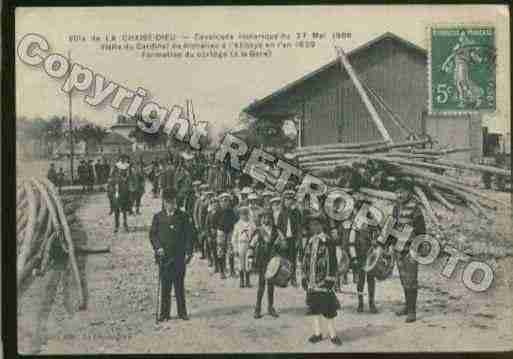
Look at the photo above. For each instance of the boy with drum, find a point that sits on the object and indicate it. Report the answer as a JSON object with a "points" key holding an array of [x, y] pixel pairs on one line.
{"points": [[319, 274], [266, 243]]}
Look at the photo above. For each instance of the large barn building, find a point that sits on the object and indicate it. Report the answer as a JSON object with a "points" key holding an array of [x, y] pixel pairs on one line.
{"points": [[330, 109]]}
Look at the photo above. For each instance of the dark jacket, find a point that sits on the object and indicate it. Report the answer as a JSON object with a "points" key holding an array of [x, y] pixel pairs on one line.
{"points": [[173, 234], [168, 178], [262, 251], [295, 221], [120, 185], [225, 220]]}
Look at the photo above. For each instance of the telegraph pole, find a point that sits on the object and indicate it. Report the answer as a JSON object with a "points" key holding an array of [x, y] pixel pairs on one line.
{"points": [[71, 145]]}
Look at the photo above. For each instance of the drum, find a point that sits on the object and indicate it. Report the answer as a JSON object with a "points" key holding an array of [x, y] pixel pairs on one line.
{"points": [[343, 263], [379, 263], [279, 271]]}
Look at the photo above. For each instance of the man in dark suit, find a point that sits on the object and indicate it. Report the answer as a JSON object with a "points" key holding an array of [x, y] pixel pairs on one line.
{"points": [[288, 220], [170, 237], [119, 194]]}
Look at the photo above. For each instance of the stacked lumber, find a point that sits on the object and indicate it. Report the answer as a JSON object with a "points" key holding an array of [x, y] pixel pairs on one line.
{"points": [[42, 232], [427, 167]]}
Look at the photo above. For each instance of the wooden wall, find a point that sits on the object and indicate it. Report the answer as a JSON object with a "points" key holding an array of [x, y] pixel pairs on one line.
{"points": [[332, 109]]}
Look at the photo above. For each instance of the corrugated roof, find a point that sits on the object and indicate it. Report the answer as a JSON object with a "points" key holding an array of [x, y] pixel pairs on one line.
{"points": [[253, 107], [114, 138]]}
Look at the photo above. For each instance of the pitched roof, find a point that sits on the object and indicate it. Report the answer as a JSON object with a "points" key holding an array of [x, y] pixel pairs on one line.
{"points": [[253, 107], [114, 138], [129, 122]]}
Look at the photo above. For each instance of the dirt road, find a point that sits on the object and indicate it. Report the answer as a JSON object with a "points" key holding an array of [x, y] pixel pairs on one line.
{"points": [[121, 289]]}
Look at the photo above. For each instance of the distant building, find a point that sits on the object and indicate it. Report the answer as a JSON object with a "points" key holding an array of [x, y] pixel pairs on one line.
{"points": [[115, 143], [124, 126], [330, 109], [79, 149]]}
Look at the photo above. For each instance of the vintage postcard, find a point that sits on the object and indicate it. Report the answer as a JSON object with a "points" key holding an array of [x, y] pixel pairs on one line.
{"points": [[263, 179]]}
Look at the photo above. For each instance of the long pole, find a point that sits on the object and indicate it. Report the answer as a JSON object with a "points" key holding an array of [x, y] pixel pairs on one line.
{"points": [[71, 144], [374, 115]]}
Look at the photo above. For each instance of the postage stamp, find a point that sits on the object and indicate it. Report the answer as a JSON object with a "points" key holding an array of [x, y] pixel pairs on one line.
{"points": [[462, 69]]}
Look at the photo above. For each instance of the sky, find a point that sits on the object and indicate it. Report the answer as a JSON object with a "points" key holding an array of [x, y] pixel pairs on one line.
{"points": [[220, 89]]}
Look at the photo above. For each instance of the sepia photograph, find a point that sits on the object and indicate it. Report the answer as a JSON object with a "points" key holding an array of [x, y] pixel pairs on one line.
{"points": [[263, 179]]}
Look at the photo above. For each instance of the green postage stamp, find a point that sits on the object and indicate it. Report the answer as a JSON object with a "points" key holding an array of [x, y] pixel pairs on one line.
{"points": [[462, 67]]}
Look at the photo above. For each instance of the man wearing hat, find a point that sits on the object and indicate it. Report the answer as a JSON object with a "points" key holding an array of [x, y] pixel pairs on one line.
{"points": [[211, 232], [224, 223], [243, 196], [120, 194], [319, 271], [155, 177], [288, 220], [200, 205], [197, 193], [254, 206], [407, 212], [202, 221], [139, 183], [82, 174], [167, 179], [171, 239], [266, 200]]}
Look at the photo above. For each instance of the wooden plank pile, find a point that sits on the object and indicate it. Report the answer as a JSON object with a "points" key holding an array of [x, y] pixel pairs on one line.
{"points": [[42, 232], [429, 168]]}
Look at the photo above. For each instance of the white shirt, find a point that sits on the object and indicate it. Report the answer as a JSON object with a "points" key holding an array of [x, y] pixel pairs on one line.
{"points": [[242, 232]]}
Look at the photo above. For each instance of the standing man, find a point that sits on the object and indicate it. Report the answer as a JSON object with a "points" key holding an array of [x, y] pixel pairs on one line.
{"points": [[289, 222], [90, 176], [254, 207], [211, 233], [121, 195], [98, 168], [202, 222], [139, 180], [167, 179], [106, 170], [82, 174], [407, 212], [170, 236], [266, 200], [198, 199], [224, 222]]}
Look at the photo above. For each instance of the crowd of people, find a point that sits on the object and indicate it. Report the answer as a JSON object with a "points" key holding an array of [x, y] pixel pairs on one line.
{"points": [[238, 230], [238, 226]]}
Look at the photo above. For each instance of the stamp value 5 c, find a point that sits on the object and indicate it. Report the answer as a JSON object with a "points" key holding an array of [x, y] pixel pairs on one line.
{"points": [[462, 69]]}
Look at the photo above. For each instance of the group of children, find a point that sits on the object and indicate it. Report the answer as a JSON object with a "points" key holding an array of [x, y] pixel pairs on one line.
{"points": [[254, 229]]}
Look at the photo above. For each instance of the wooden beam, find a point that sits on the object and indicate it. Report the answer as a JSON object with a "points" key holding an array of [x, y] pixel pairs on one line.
{"points": [[370, 107]]}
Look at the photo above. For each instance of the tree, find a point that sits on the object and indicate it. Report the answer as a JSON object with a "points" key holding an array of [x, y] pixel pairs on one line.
{"points": [[53, 132]]}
